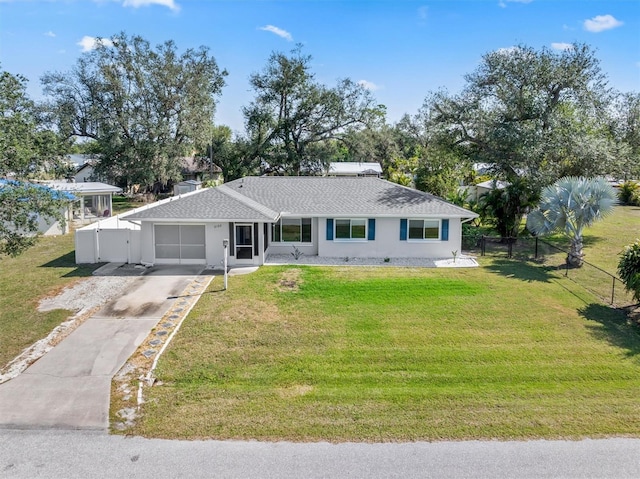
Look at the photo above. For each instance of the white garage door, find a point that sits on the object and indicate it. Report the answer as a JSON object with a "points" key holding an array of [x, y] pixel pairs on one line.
{"points": [[183, 244]]}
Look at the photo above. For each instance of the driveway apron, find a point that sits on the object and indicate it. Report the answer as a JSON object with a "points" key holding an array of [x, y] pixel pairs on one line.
{"points": [[69, 387]]}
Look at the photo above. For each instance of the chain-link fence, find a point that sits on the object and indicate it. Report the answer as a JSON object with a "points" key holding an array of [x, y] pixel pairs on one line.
{"points": [[607, 286]]}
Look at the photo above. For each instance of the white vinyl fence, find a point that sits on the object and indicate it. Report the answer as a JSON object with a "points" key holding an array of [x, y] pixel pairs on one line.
{"points": [[108, 241]]}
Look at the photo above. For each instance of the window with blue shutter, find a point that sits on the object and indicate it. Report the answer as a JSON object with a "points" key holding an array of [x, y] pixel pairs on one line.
{"points": [[403, 229], [371, 235], [444, 234], [329, 229]]}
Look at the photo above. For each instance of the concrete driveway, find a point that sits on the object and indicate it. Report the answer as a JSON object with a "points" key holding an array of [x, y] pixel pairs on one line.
{"points": [[69, 387]]}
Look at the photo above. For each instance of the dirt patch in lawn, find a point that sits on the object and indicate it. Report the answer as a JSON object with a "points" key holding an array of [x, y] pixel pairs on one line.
{"points": [[290, 280]]}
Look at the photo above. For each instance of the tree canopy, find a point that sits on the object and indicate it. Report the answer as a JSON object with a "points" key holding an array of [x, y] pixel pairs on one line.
{"points": [[145, 108], [531, 113], [27, 151], [293, 119], [27, 148]]}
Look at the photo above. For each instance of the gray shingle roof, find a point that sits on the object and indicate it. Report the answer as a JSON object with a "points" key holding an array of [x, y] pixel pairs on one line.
{"points": [[329, 196], [207, 204], [264, 198]]}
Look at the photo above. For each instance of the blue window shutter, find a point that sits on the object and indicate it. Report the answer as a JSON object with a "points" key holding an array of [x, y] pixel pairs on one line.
{"points": [[372, 229], [444, 235], [329, 229], [403, 229]]}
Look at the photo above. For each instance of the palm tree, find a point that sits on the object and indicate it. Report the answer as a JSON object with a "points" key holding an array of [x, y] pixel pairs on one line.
{"points": [[570, 205]]}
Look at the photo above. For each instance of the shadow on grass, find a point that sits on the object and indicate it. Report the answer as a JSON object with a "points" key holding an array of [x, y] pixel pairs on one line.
{"points": [[520, 270], [614, 327], [68, 260]]}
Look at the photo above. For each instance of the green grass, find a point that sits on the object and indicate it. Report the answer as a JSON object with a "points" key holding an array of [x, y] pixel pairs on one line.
{"points": [[388, 354], [37, 273], [122, 203], [603, 243], [605, 240]]}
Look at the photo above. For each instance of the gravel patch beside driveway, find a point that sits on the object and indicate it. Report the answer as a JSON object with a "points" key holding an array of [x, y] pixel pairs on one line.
{"points": [[69, 386]]}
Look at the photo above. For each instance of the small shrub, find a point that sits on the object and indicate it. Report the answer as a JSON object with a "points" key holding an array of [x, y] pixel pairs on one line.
{"points": [[629, 269], [296, 253]]}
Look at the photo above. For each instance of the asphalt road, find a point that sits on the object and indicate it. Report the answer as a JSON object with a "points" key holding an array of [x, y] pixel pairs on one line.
{"points": [[85, 454]]}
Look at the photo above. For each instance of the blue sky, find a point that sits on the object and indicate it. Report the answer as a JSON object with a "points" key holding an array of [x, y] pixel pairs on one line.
{"points": [[400, 49]]}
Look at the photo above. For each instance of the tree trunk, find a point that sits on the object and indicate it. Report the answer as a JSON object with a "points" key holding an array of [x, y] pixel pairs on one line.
{"points": [[576, 254]]}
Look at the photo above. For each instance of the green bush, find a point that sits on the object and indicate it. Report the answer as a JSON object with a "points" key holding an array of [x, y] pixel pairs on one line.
{"points": [[629, 193], [629, 268], [471, 235]]}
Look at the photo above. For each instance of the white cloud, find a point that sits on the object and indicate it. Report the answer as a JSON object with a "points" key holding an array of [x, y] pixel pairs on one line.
{"points": [[50, 34], [91, 43], [562, 46], [171, 4], [600, 23], [367, 85], [503, 3], [278, 31]]}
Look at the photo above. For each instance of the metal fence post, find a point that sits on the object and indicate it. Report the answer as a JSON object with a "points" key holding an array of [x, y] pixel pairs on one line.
{"points": [[536, 253], [613, 289]]}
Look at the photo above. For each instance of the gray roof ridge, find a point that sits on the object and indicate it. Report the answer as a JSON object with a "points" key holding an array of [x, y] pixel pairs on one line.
{"points": [[259, 207]]}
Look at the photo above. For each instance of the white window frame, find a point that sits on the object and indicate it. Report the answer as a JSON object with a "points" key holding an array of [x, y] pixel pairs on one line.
{"points": [[423, 239], [281, 240], [351, 220]]}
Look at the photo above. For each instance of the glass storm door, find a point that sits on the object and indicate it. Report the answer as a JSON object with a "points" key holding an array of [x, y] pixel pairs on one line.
{"points": [[244, 242]]}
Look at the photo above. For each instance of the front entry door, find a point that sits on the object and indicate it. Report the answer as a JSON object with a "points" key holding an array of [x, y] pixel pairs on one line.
{"points": [[244, 242]]}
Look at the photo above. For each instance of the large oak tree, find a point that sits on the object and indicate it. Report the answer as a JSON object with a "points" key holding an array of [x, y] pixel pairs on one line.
{"points": [[533, 115], [294, 121], [144, 107]]}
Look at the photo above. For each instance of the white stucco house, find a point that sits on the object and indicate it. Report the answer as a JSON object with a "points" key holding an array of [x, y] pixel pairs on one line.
{"points": [[324, 216]]}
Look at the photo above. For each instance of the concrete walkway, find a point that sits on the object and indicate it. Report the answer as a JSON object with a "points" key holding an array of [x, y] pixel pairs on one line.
{"points": [[69, 387]]}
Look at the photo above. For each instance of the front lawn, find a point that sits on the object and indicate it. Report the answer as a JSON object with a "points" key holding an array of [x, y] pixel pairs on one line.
{"points": [[38, 272], [390, 354]]}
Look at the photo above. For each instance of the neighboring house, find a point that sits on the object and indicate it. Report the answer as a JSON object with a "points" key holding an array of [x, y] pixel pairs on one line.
{"points": [[200, 169], [83, 166], [354, 168], [323, 216], [93, 199], [475, 192], [84, 173], [51, 226]]}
